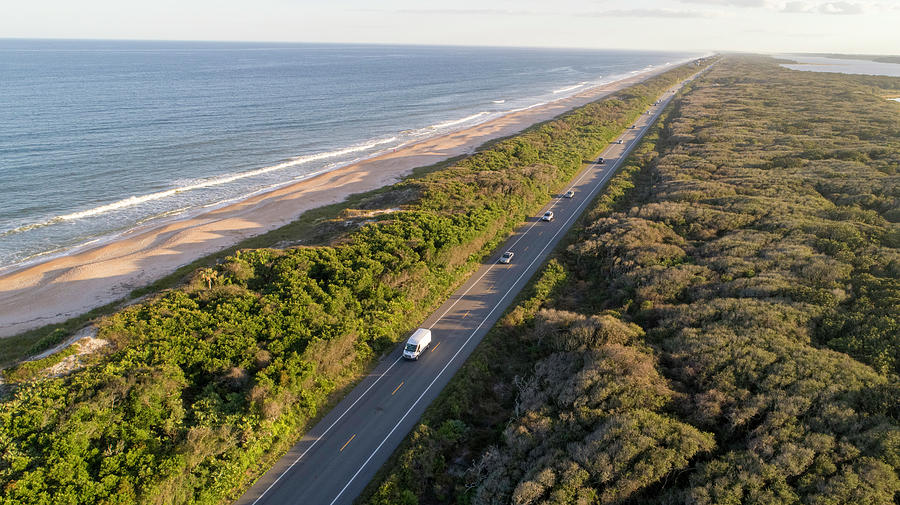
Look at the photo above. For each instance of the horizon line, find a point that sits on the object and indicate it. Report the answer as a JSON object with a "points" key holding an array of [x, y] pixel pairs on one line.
{"points": [[388, 44]]}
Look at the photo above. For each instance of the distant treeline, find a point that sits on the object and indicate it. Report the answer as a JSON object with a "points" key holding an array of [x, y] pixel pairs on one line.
{"points": [[724, 328], [206, 384]]}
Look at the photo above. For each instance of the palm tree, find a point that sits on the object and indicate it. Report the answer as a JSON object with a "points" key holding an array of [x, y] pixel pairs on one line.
{"points": [[209, 275]]}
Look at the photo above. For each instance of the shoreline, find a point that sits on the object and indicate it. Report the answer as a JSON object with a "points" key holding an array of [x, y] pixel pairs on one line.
{"points": [[104, 238], [62, 287]]}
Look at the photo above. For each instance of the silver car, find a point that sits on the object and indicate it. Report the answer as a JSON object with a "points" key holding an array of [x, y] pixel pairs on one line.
{"points": [[507, 257]]}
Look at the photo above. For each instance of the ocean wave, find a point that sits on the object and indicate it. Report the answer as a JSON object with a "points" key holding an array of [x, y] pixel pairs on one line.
{"points": [[168, 213], [498, 101], [59, 251], [520, 109], [208, 183], [455, 122], [569, 88], [31, 226]]}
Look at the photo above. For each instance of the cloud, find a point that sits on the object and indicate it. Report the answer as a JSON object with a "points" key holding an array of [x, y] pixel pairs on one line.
{"points": [[655, 13], [799, 35], [797, 6], [729, 3], [841, 8], [488, 12], [807, 7]]}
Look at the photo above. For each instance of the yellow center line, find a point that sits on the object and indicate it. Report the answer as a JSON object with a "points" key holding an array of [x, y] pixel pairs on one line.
{"points": [[435, 347], [348, 441], [466, 314], [395, 390]]}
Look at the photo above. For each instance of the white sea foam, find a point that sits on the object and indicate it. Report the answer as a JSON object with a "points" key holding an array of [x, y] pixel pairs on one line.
{"points": [[52, 253], [208, 183], [570, 88], [520, 109], [498, 101], [455, 122], [168, 213]]}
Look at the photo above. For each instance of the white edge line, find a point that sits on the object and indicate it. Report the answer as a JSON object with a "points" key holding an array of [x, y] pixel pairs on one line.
{"points": [[565, 226], [288, 469], [521, 235], [583, 174]]}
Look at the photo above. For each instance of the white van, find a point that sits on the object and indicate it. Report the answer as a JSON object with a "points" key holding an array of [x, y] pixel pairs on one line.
{"points": [[417, 343]]}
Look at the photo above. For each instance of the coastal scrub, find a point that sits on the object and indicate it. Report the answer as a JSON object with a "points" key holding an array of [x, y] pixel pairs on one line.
{"points": [[724, 325]]}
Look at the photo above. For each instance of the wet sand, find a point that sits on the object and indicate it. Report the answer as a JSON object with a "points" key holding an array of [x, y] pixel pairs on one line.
{"points": [[64, 287]]}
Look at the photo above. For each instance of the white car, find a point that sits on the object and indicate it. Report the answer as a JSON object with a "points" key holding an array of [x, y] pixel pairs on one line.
{"points": [[507, 257], [619, 141], [417, 343], [548, 216], [569, 194]]}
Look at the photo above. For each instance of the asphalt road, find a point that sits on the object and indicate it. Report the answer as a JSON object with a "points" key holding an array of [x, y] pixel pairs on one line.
{"points": [[335, 460]]}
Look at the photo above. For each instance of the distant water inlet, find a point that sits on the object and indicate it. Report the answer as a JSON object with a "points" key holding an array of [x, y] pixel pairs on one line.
{"points": [[99, 137], [841, 65]]}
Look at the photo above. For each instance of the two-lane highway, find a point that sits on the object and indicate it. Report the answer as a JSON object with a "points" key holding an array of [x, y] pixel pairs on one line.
{"points": [[335, 460]]}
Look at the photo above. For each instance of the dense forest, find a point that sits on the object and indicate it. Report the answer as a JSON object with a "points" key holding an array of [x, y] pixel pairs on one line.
{"points": [[723, 327], [205, 385]]}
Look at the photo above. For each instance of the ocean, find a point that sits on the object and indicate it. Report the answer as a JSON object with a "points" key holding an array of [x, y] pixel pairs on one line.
{"points": [[98, 137]]}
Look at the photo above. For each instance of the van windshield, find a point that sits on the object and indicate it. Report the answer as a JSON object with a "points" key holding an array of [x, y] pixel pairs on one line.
{"points": [[411, 347]]}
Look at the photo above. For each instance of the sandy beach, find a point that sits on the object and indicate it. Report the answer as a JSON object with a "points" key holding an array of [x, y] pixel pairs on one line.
{"points": [[64, 287]]}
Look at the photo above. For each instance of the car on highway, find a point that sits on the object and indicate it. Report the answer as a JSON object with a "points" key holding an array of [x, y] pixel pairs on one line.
{"points": [[548, 216], [619, 141], [507, 257], [600, 161], [569, 194], [417, 343]]}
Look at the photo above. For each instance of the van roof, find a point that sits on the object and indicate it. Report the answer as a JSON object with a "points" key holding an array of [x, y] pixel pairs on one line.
{"points": [[419, 335]]}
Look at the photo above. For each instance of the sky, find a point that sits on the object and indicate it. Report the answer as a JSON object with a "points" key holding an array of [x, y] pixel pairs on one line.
{"points": [[770, 26]]}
